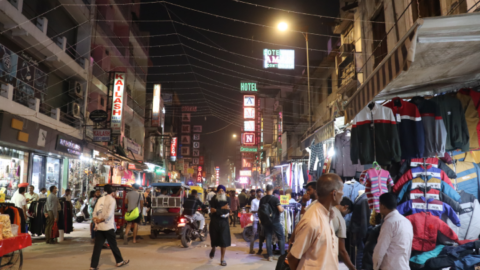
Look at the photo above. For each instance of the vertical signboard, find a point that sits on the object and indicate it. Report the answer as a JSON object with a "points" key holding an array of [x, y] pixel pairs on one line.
{"points": [[117, 102], [217, 174], [156, 105], [199, 174], [173, 149]]}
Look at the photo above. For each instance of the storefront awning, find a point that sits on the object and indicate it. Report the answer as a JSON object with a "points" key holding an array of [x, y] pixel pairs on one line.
{"points": [[436, 55], [323, 133]]}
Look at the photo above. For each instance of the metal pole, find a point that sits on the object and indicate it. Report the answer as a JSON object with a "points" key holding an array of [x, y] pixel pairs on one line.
{"points": [[308, 82]]}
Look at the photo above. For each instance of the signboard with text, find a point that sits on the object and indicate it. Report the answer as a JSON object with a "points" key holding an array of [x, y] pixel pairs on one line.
{"points": [[117, 103], [173, 148], [248, 86], [189, 108], [156, 105], [279, 59], [102, 134]]}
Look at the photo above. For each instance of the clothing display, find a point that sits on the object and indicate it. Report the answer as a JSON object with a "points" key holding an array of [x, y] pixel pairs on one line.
{"points": [[429, 182], [419, 171], [377, 182], [351, 190], [435, 162], [37, 218], [435, 207], [433, 126], [410, 128], [454, 118], [316, 159], [431, 193], [422, 258], [65, 216], [469, 217], [471, 117], [468, 177], [425, 229], [360, 217], [341, 162], [375, 136]]}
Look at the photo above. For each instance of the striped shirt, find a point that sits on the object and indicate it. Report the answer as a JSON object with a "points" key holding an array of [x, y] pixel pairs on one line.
{"points": [[421, 171], [376, 183]]}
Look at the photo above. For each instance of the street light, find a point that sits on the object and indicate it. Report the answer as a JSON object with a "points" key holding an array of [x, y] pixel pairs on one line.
{"points": [[283, 26], [234, 135]]}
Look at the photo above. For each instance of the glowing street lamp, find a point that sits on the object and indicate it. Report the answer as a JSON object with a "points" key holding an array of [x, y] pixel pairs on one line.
{"points": [[283, 26]]}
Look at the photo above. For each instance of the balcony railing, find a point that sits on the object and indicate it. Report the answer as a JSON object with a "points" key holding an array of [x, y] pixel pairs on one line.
{"points": [[135, 106], [69, 120], [109, 32]]}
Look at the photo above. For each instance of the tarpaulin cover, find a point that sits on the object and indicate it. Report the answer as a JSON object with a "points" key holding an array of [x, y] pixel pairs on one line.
{"points": [[12, 244]]}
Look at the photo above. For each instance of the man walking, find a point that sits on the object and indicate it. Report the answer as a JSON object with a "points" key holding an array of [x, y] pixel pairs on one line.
{"points": [[104, 218], [394, 244], [51, 213], [255, 203], [234, 204], [219, 229], [133, 200], [242, 198], [20, 201], [315, 245], [271, 225]]}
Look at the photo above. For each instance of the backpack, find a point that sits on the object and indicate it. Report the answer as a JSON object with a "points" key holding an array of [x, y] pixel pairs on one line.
{"points": [[265, 213]]}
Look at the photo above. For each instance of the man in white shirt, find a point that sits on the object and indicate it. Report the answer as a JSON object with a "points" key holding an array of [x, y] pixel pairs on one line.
{"points": [[255, 226], [104, 218], [43, 193], [394, 244], [315, 246], [31, 196], [20, 201], [210, 195]]}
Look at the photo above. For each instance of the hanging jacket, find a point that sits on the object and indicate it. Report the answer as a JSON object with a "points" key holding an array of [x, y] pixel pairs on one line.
{"points": [[372, 239], [454, 118], [341, 162], [437, 208], [433, 125], [431, 193], [316, 156], [471, 117], [435, 162], [468, 177], [409, 127], [431, 182], [384, 132], [469, 217], [376, 183], [418, 171], [471, 156], [425, 229]]}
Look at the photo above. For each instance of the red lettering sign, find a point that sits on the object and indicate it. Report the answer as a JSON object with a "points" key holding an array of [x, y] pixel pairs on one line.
{"points": [[117, 103]]}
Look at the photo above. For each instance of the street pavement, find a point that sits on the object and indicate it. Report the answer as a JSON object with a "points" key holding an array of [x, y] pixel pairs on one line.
{"points": [[165, 252]]}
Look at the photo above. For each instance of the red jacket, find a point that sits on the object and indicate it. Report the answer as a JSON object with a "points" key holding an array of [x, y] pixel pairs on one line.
{"points": [[425, 229], [420, 170]]}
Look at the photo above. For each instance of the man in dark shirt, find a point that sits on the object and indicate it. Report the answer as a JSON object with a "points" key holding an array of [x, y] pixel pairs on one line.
{"points": [[190, 206], [275, 227], [251, 198], [242, 197]]}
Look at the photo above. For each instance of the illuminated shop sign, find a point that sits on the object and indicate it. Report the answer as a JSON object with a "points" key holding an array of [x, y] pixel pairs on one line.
{"points": [[243, 180], [280, 59], [156, 105], [248, 101], [249, 125], [68, 146], [249, 113], [117, 103], [248, 138], [245, 173], [248, 87], [173, 149]]}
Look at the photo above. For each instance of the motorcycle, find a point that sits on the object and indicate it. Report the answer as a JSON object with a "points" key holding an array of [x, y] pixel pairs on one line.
{"points": [[83, 214], [191, 230]]}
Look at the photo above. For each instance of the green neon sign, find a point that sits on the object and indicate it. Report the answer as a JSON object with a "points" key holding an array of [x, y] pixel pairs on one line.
{"points": [[248, 149], [248, 87]]}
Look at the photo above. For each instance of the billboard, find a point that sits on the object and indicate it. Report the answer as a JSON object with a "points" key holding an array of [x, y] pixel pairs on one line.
{"points": [[279, 59], [248, 86], [117, 103], [156, 105], [173, 149]]}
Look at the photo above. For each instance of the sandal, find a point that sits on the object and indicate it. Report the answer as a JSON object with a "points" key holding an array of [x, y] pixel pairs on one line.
{"points": [[123, 263], [212, 254], [223, 263]]}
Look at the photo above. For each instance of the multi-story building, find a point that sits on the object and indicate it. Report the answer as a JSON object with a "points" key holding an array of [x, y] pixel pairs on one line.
{"points": [[58, 59]]}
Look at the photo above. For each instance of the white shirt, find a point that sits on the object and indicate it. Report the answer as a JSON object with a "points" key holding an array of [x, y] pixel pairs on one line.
{"points": [[254, 207], [105, 208], [394, 244], [210, 195], [19, 200], [42, 196], [32, 198]]}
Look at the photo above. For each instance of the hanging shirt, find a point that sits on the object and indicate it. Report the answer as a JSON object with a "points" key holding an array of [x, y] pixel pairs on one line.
{"points": [[394, 244], [341, 162], [437, 208], [316, 156], [377, 182]]}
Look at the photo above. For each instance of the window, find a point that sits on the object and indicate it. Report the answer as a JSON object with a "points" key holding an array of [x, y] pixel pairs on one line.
{"points": [[127, 131], [102, 101], [329, 85], [380, 49], [426, 8], [348, 36]]}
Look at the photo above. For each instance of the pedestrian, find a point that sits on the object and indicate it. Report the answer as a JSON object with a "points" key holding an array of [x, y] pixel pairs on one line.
{"points": [[271, 224], [43, 193], [394, 243], [256, 223], [133, 200], [234, 204], [309, 197], [148, 203], [251, 197], [68, 195], [31, 195], [20, 200], [219, 229], [292, 199], [340, 229], [242, 198], [315, 245], [210, 195], [104, 219], [51, 213], [94, 195]]}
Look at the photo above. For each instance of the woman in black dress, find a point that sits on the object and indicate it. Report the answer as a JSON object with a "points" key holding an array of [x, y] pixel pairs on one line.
{"points": [[219, 227]]}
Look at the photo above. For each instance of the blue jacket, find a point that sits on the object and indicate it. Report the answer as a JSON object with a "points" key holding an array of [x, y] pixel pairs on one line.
{"points": [[423, 257], [351, 191], [447, 189], [468, 177], [437, 208]]}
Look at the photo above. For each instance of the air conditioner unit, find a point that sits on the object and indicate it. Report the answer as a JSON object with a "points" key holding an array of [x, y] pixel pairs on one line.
{"points": [[74, 110], [346, 48], [75, 89]]}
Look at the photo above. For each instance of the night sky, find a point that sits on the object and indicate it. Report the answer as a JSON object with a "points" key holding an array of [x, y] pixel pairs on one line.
{"points": [[220, 100]]}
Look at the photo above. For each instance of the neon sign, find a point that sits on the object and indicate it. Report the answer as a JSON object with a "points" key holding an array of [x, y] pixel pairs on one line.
{"points": [[280, 59], [117, 103]]}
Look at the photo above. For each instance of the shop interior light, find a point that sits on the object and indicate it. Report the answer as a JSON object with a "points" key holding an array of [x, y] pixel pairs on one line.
{"points": [[331, 152]]}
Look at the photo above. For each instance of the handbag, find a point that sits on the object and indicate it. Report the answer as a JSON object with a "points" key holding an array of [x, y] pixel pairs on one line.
{"points": [[135, 213]]}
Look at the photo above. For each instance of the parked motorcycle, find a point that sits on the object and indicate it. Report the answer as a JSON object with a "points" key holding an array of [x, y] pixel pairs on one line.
{"points": [[191, 230]]}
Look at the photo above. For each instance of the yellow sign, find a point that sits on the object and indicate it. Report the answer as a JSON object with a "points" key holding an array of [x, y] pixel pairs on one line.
{"points": [[2, 197], [285, 199], [190, 170]]}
